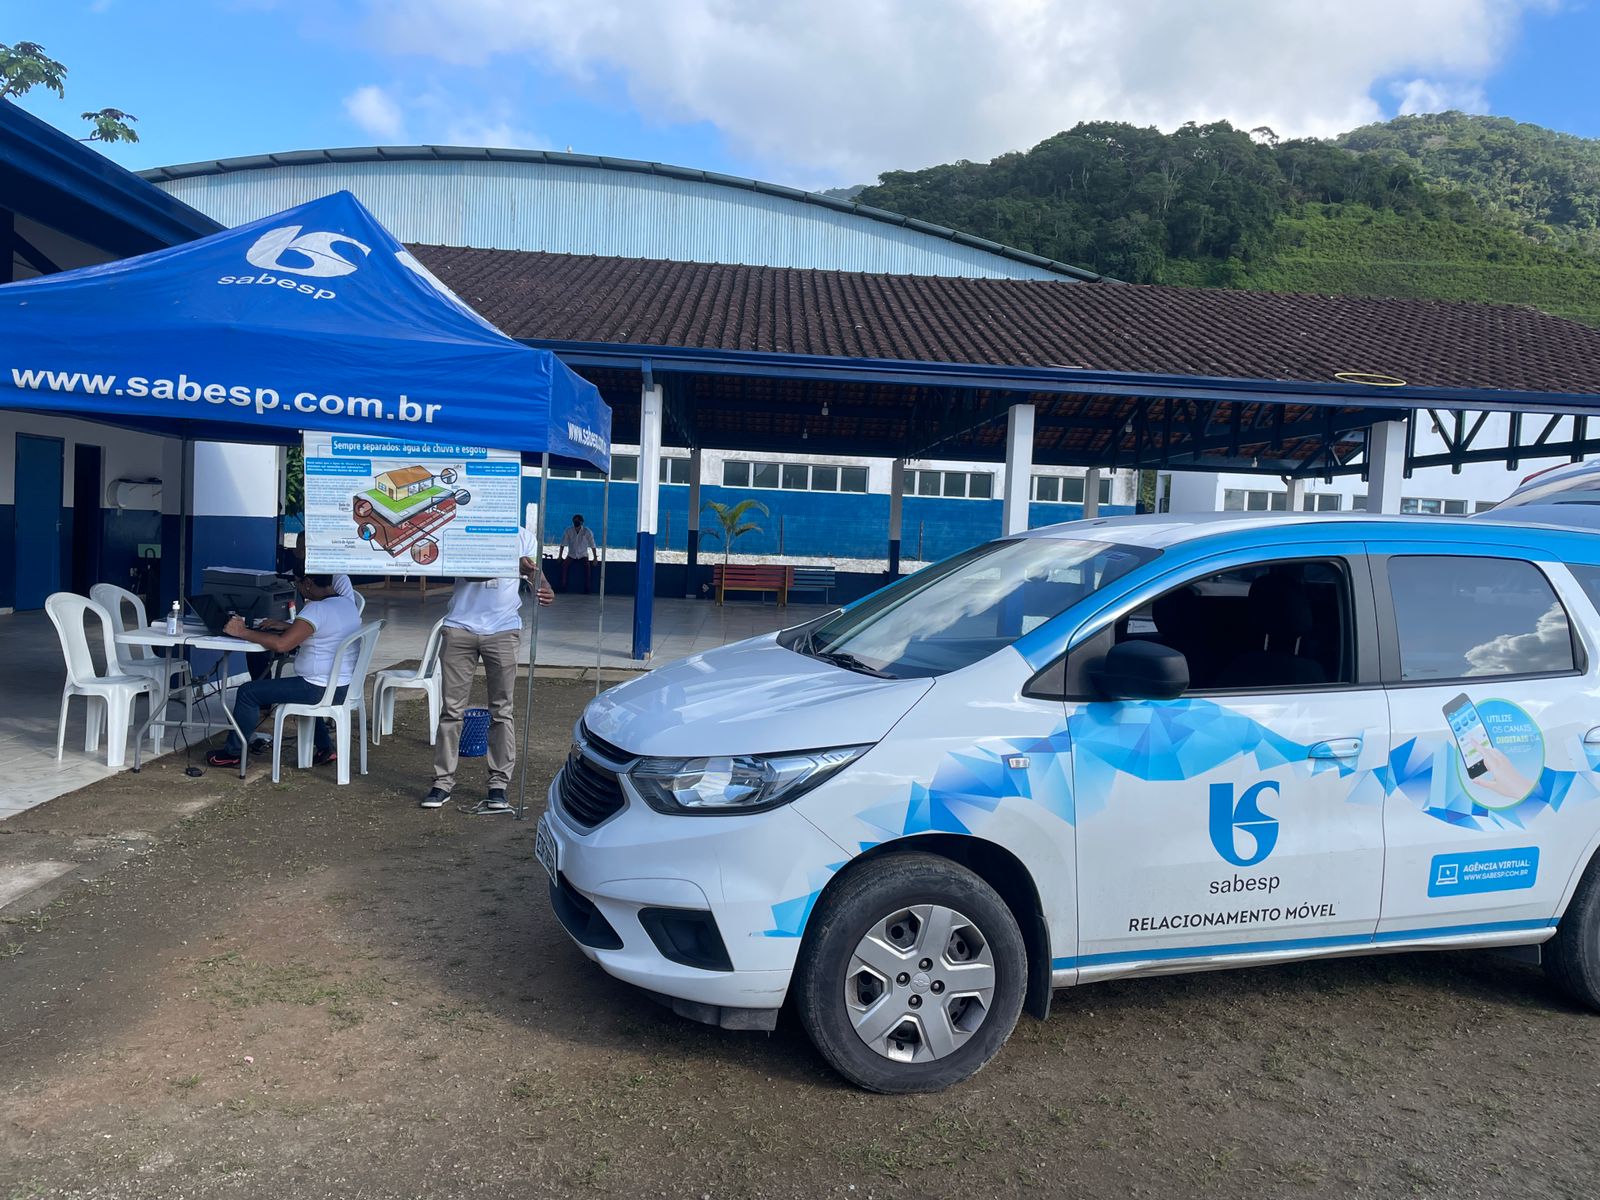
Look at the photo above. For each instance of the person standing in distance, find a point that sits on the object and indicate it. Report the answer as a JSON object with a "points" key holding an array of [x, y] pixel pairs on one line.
{"points": [[483, 624], [577, 545]]}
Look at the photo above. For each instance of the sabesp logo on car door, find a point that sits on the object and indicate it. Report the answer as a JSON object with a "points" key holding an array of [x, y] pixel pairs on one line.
{"points": [[1242, 814]]}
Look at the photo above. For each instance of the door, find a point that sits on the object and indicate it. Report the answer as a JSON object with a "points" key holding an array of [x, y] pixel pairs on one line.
{"points": [[86, 519], [1491, 796], [1240, 818], [38, 518]]}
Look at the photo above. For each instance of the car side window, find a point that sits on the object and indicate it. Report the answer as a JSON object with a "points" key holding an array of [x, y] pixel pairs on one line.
{"points": [[1459, 617], [1265, 627]]}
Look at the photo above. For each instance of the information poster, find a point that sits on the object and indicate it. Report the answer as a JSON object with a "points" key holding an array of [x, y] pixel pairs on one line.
{"points": [[376, 506]]}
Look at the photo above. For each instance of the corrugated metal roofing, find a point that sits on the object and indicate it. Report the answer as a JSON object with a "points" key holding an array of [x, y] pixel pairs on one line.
{"points": [[578, 204]]}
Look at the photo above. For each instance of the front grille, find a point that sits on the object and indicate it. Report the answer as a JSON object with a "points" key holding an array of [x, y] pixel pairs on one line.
{"points": [[589, 792]]}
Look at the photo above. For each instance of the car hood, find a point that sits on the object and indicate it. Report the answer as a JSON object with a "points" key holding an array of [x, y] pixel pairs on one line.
{"points": [[753, 697]]}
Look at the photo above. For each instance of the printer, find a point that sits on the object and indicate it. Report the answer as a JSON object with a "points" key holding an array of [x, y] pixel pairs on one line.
{"points": [[249, 592]]}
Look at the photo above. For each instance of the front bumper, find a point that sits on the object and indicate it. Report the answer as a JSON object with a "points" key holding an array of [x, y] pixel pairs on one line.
{"points": [[756, 876]]}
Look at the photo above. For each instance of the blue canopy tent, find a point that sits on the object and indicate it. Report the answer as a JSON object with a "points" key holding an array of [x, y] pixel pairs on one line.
{"points": [[316, 318], [313, 319]]}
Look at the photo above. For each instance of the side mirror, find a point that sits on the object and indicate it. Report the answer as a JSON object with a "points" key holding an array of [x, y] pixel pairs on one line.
{"points": [[1142, 671]]}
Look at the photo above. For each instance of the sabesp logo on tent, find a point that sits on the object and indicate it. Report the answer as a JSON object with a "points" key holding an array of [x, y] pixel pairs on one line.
{"points": [[312, 254]]}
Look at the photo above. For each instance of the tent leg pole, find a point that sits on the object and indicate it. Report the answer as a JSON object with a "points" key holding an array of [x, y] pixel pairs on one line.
{"points": [[185, 449], [533, 636], [600, 621]]}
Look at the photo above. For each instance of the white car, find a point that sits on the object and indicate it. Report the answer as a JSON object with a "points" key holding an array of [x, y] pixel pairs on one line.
{"points": [[1111, 748]]}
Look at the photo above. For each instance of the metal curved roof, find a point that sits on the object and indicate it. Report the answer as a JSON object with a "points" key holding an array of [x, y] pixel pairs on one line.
{"points": [[360, 156]]}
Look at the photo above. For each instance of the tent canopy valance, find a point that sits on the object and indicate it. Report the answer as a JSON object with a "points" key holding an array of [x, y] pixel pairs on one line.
{"points": [[313, 319]]}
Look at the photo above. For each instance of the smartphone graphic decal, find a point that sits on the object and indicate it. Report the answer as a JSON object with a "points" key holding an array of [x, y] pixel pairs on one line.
{"points": [[1472, 736]]}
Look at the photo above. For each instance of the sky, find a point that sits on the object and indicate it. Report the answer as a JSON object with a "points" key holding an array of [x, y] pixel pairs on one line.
{"points": [[811, 93]]}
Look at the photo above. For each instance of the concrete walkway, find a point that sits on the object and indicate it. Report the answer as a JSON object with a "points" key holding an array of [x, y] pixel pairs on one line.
{"points": [[32, 673]]}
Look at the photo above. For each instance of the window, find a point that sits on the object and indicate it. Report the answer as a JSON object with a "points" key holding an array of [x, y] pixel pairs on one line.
{"points": [[1240, 500], [967, 485], [625, 468], [1430, 506], [1322, 502], [1472, 618], [799, 477], [674, 470], [952, 615], [1261, 628], [1067, 489], [1480, 506]]}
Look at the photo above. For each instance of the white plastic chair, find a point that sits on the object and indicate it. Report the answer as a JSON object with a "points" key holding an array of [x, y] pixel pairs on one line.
{"points": [[426, 678], [353, 706], [113, 693], [143, 660]]}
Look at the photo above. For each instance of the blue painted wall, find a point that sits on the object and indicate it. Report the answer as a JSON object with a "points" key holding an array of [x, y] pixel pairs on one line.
{"points": [[810, 524]]}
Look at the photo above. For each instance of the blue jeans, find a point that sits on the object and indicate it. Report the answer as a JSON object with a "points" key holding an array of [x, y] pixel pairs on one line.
{"points": [[291, 689]]}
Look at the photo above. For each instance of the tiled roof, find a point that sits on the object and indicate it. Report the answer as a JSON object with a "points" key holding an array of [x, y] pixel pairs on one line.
{"points": [[1105, 326]]}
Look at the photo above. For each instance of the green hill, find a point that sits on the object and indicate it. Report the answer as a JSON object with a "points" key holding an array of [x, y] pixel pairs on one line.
{"points": [[1215, 206]]}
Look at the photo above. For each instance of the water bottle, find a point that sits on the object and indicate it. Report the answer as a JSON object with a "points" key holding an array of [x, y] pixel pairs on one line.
{"points": [[174, 619]]}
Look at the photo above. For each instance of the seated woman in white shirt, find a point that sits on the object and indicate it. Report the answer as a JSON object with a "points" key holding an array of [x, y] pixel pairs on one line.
{"points": [[314, 637]]}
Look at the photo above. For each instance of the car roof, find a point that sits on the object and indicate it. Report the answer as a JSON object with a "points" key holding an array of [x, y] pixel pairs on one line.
{"points": [[1159, 531]]}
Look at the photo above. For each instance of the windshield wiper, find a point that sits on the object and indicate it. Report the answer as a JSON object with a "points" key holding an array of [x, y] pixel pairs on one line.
{"points": [[851, 663]]}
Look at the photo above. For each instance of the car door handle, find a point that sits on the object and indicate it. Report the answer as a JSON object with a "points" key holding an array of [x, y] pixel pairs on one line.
{"points": [[1592, 738], [1347, 747]]}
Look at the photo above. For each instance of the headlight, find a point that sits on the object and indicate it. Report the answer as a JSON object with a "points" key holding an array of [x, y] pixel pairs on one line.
{"points": [[743, 784]]}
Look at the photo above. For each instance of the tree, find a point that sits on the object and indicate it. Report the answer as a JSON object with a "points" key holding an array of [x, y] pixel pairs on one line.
{"points": [[731, 518], [26, 66]]}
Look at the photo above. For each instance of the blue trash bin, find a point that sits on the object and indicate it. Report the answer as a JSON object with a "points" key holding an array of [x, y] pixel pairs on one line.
{"points": [[475, 733]]}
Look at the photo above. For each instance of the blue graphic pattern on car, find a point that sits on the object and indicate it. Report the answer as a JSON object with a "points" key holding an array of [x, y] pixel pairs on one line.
{"points": [[1424, 772], [789, 917]]}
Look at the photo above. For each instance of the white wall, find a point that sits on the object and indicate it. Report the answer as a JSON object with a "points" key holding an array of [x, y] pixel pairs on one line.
{"points": [[126, 455]]}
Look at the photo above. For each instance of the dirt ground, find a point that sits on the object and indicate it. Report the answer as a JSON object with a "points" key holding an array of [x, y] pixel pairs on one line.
{"points": [[309, 991]]}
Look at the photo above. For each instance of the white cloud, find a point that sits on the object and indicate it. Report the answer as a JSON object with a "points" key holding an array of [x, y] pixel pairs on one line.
{"points": [[845, 88], [1432, 95], [376, 112]]}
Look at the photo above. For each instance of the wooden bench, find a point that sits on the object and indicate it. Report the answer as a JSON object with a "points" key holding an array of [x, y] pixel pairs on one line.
{"points": [[812, 579], [740, 578]]}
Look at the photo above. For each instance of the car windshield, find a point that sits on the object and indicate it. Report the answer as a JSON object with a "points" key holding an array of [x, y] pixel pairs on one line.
{"points": [[954, 613]]}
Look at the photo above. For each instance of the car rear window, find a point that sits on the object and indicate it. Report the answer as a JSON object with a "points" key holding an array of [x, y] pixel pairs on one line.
{"points": [[1471, 618]]}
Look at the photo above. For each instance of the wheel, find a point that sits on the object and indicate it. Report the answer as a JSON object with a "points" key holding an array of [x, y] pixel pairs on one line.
{"points": [[1572, 957], [463, 497], [363, 507], [911, 975], [424, 553], [447, 476]]}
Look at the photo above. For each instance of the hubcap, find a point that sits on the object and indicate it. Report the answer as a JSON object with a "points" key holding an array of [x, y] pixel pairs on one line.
{"points": [[920, 983]]}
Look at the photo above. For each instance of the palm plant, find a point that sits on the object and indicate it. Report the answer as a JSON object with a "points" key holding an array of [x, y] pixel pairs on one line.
{"points": [[731, 518]]}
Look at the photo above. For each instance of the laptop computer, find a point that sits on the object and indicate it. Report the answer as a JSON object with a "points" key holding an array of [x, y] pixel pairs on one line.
{"points": [[209, 611]]}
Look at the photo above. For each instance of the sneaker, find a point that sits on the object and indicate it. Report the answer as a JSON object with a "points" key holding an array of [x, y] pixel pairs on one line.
{"points": [[259, 746], [492, 804], [322, 757], [222, 758], [434, 799]]}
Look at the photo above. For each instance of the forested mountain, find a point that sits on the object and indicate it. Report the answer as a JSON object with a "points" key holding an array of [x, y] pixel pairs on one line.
{"points": [[1405, 209]]}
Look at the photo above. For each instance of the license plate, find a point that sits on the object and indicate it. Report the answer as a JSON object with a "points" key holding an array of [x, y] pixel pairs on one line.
{"points": [[545, 849]]}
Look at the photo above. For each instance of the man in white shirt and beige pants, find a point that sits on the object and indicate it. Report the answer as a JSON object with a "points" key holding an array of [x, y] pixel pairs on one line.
{"points": [[483, 624]]}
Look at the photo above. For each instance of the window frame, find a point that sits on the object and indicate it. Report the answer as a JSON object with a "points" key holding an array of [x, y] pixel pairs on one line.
{"points": [[1067, 677], [1389, 625]]}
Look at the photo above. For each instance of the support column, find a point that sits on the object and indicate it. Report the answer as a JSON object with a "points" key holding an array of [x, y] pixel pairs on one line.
{"points": [[1091, 493], [696, 457], [1297, 494], [897, 495], [651, 405], [1386, 466], [1019, 470]]}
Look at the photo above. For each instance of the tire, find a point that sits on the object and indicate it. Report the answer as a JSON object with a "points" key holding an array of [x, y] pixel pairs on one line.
{"points": [[902, 901], [1572, 957]]}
